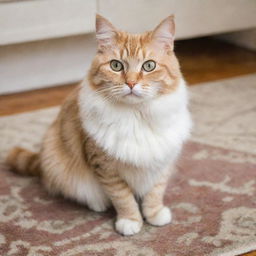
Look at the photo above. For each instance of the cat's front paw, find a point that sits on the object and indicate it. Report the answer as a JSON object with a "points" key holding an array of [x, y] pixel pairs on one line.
{"points": [[128, 227], [161, 218]]}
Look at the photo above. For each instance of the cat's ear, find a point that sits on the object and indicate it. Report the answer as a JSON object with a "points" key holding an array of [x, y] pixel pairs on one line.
{"points": [[105, 32], [163, 34]]}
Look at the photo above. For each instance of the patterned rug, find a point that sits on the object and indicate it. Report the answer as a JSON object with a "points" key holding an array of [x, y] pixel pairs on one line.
{"points": [[212, 196]]}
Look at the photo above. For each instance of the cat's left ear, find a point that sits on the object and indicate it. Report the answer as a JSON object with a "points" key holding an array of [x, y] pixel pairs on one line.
{"points": [[106, 33], [163, 34]]}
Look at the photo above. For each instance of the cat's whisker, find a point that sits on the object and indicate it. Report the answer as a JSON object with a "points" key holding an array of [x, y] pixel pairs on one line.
{"points": [[108, 89]]}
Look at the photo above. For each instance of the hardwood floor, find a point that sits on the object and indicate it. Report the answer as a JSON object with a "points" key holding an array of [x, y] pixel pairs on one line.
{"points": [[202, 60], [206, 59], [249, 254], [32, 100]]}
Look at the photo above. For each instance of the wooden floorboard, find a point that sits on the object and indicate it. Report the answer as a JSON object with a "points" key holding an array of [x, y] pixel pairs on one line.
{"points": [[249, 254], [32, 100], [202, 60]]}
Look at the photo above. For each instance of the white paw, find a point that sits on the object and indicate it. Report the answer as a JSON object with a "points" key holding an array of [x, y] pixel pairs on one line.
{"points": [[163, 217], [128, 227]]}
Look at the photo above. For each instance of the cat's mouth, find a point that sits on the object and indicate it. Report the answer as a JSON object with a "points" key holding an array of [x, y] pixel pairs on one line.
{"points": [[133, 93]]}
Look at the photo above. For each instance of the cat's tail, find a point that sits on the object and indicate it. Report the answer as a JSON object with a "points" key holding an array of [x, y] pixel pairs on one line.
{"points": [[24, 162]]}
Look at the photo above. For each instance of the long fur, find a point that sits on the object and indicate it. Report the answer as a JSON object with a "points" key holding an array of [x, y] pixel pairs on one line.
{"points": [[112, 143]]}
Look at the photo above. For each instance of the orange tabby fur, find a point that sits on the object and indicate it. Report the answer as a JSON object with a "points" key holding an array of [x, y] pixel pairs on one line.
{"points": [[69, 155]]}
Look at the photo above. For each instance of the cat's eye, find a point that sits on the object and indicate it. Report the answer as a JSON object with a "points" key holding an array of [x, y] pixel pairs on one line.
{"points": [[149, 65], [116, 65]]}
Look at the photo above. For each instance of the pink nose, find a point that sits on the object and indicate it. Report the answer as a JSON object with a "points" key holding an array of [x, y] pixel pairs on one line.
{"points": [[131, 84]]}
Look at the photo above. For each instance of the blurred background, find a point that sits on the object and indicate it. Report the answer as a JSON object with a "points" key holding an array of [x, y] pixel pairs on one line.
{"points": [[45, 43]]}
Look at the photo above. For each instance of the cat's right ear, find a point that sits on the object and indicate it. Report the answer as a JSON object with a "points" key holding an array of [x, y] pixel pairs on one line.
{"points": [[163, 34], [105, 33]]}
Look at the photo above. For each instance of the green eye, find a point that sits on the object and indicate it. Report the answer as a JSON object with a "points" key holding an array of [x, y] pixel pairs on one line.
{"points": [[149, 65], [116, 65]]}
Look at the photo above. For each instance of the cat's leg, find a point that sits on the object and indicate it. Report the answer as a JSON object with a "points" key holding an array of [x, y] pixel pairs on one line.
{"points": [[129, 220], [152, 204]]}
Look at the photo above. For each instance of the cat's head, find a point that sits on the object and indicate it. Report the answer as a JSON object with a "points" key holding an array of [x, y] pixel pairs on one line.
{"points": [[131, 68]]}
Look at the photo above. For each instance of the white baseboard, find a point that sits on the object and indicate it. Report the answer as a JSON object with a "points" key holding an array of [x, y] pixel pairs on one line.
{"points": [[45, 63]]}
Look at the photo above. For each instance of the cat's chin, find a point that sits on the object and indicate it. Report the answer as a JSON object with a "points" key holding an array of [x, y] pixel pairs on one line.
{"points": [[132, 99]]}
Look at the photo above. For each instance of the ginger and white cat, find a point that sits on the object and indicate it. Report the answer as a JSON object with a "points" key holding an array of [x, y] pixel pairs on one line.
{"points": [[119, 133]]}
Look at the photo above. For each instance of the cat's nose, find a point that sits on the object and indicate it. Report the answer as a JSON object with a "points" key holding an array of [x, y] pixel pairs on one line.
{"points": [[131, 84]]}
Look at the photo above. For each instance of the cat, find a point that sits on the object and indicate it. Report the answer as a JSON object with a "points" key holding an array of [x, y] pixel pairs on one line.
{"points": [[118, 135]]}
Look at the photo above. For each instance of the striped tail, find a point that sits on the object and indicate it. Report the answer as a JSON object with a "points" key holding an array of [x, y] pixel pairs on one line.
{"points": [[24, 162]]}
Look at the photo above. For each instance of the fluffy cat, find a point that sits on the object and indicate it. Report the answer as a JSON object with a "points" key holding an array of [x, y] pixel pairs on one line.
{"points": [[119, 133]]}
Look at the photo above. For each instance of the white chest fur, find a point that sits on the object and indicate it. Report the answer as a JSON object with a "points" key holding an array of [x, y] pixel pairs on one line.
{"points": [[148, 137]]}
